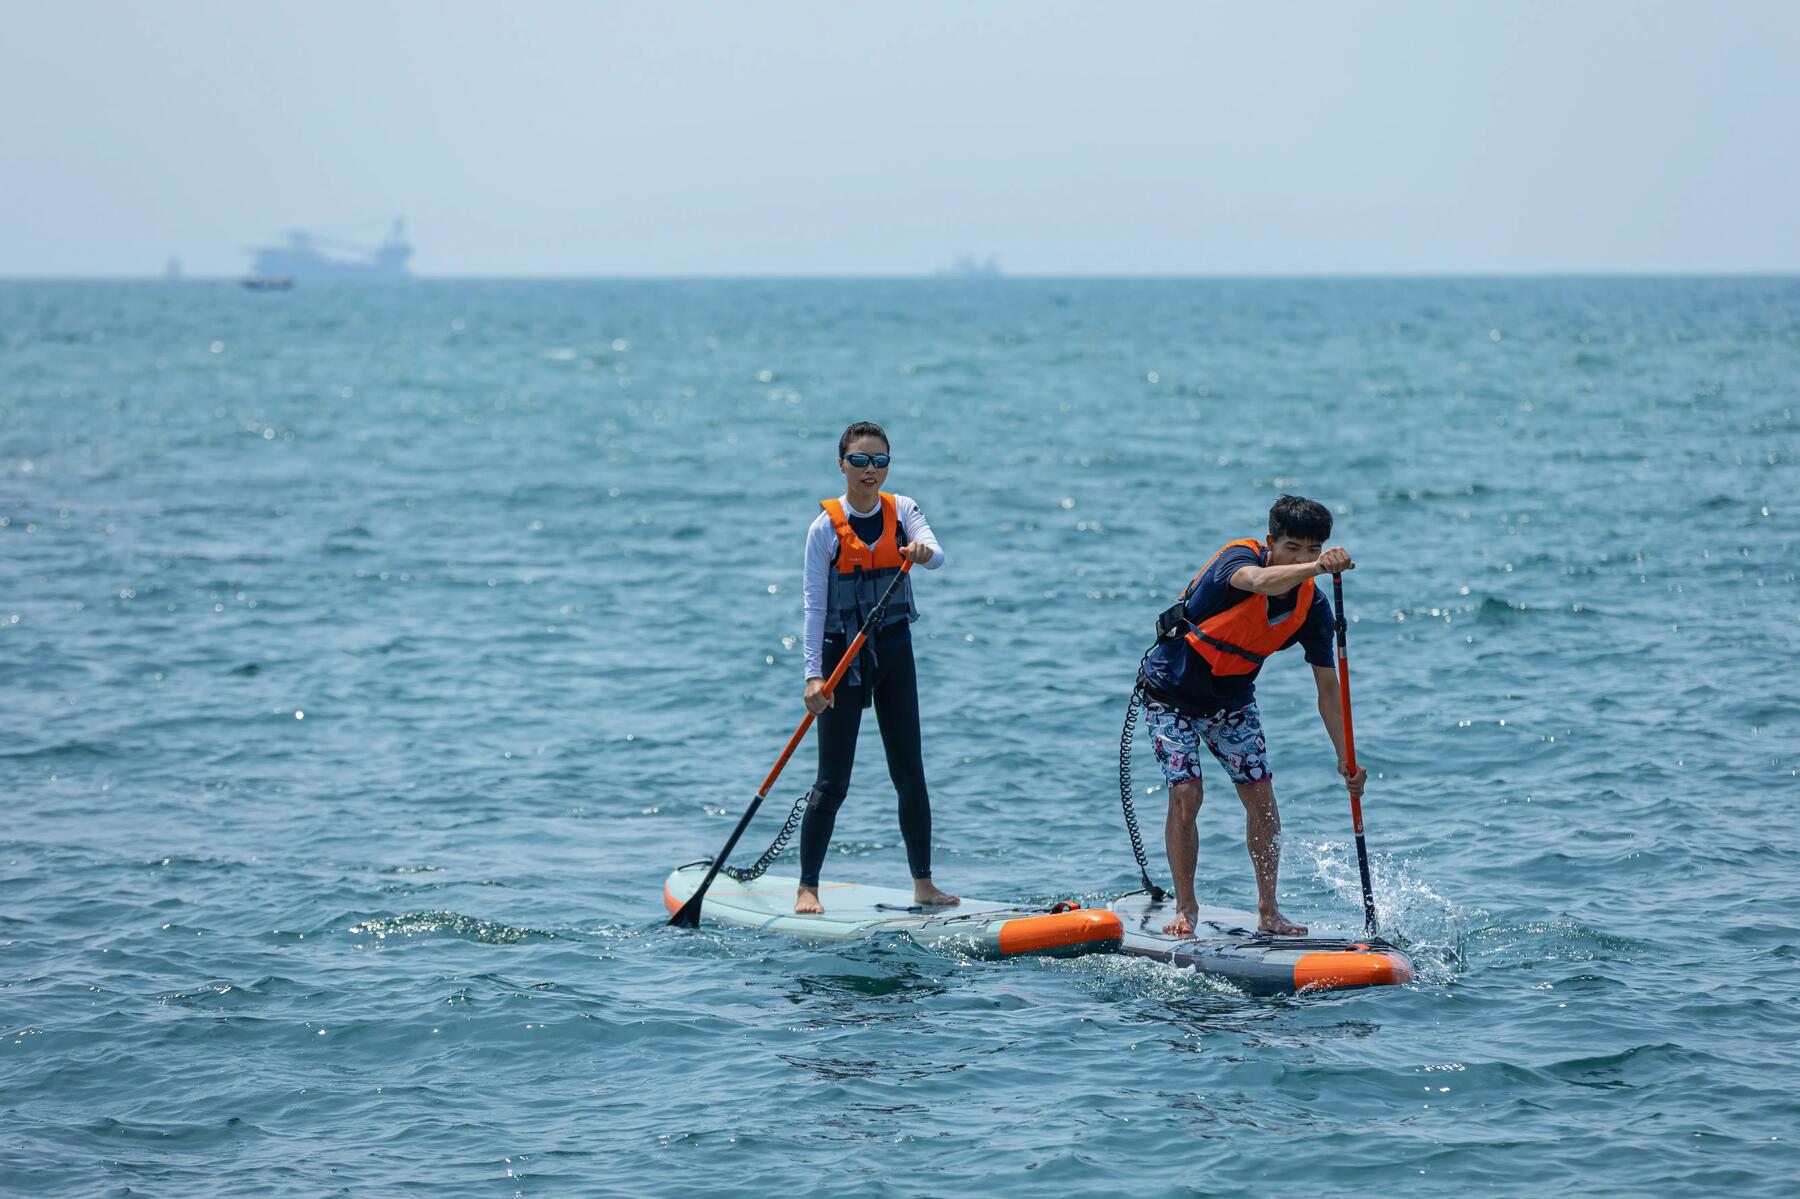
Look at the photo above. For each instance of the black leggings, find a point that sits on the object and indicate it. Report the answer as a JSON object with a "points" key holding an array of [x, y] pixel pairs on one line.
{"points": [[897, 709]]}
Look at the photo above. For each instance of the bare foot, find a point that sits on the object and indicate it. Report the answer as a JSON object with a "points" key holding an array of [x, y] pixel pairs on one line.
{"points": [[1182, 925], [926, 893], [1278, 925], [806, 902]]}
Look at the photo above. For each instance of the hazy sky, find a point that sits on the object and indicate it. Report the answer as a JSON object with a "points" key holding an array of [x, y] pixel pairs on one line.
{"points": [[859, 138]]}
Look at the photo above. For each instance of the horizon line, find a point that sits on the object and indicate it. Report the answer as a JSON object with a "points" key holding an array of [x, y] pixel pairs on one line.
{"points": [[951, 277]]}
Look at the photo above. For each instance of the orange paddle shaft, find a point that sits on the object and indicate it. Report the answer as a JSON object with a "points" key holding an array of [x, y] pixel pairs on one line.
{"points": [[1356, 820], [689, 914], [831, 683]]}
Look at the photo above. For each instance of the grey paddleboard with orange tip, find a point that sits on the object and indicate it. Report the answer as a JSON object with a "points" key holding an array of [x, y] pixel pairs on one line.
{"points": [[1225, 943]]}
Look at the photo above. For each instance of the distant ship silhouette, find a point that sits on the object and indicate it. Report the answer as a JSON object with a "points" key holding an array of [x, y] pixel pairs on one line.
{"points": [[306, 256], [967, 266]]}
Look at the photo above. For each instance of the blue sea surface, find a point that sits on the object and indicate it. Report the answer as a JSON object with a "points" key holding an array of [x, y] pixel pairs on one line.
{"points": [[369, 656]]}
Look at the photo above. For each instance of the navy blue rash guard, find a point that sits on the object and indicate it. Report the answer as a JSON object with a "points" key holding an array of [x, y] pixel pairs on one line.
{"points": [[1177, 674]]}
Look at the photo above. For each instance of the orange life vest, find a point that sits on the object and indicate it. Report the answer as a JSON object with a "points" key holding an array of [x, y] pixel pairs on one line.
{"points": [[853, 555], [1239, 639], [863, 572]]}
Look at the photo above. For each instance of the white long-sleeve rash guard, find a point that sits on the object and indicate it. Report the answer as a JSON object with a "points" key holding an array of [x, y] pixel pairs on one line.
{"points": [[821, 552]]}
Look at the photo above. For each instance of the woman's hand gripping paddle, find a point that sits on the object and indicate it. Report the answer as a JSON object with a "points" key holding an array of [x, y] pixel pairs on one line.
{"points": [[689, 915], [1343, 673]]}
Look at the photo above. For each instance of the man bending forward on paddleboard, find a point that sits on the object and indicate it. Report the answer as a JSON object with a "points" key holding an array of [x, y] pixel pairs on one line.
{"points": [[1251, 600]]}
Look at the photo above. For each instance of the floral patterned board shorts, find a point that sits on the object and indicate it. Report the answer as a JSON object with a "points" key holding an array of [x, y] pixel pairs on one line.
{"points": [[1235, 738]]}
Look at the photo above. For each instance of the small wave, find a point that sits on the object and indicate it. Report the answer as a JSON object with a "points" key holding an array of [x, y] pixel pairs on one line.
{"points": [[404, 882], [1556, 939], [1626, 1068], [1589, 360], [1416, 495], [886, 1069], [187, 1134], [65, 750], [420, 924], [220, 993], [1114, 977], [1495, 610], [187, 861]]}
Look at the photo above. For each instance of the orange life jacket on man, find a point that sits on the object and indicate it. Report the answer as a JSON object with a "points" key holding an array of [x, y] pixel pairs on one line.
{"points": [[1239, 639], [863, 572]]}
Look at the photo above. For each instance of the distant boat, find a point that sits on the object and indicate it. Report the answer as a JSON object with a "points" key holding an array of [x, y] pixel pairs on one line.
{"points": [[172, 272], [307, 256], [260, 283], [969, 267]]}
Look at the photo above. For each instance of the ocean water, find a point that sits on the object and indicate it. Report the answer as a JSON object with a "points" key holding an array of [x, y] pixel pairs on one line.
{"points": [[367, 658]]}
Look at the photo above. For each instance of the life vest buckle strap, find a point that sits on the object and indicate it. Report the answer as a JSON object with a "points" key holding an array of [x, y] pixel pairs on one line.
{"points": [[1173, 623], [1250, 656]]}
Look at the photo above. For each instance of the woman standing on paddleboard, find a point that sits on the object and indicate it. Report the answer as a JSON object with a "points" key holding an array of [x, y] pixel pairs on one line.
{"points": [[854, 549]]}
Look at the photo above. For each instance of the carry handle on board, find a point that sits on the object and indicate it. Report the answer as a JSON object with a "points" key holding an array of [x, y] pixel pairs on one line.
{"points": [[689, 914], [1362, 852]]}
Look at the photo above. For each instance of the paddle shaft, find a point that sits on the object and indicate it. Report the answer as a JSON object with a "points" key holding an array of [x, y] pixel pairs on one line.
{"points": [[689, 915], [1356, 820]]}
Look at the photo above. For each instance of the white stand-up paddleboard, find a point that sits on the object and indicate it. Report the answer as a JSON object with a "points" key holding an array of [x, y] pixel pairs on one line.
{"points": [[983, 927], [1227, 944]]}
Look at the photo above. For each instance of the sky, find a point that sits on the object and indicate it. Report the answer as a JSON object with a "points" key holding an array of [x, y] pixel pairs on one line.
{"points": [[851, 138]]}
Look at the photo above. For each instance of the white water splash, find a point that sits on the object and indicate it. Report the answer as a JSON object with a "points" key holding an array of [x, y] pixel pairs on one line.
{"points": [[1431, 928]]}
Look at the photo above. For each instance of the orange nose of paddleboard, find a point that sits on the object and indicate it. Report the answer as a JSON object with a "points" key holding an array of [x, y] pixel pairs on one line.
{"points": [[1058, 930], [1354, 968]]}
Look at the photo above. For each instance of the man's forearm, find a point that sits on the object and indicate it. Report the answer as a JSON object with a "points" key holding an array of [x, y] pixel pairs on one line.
{"points": [[1274, 580], [1334, 722]]}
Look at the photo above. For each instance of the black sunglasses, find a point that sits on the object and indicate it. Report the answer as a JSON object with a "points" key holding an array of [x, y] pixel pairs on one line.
{"points": [[879, 461]]}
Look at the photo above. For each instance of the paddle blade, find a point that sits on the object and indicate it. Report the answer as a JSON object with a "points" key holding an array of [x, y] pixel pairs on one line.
{"points": [[688, 916]]}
